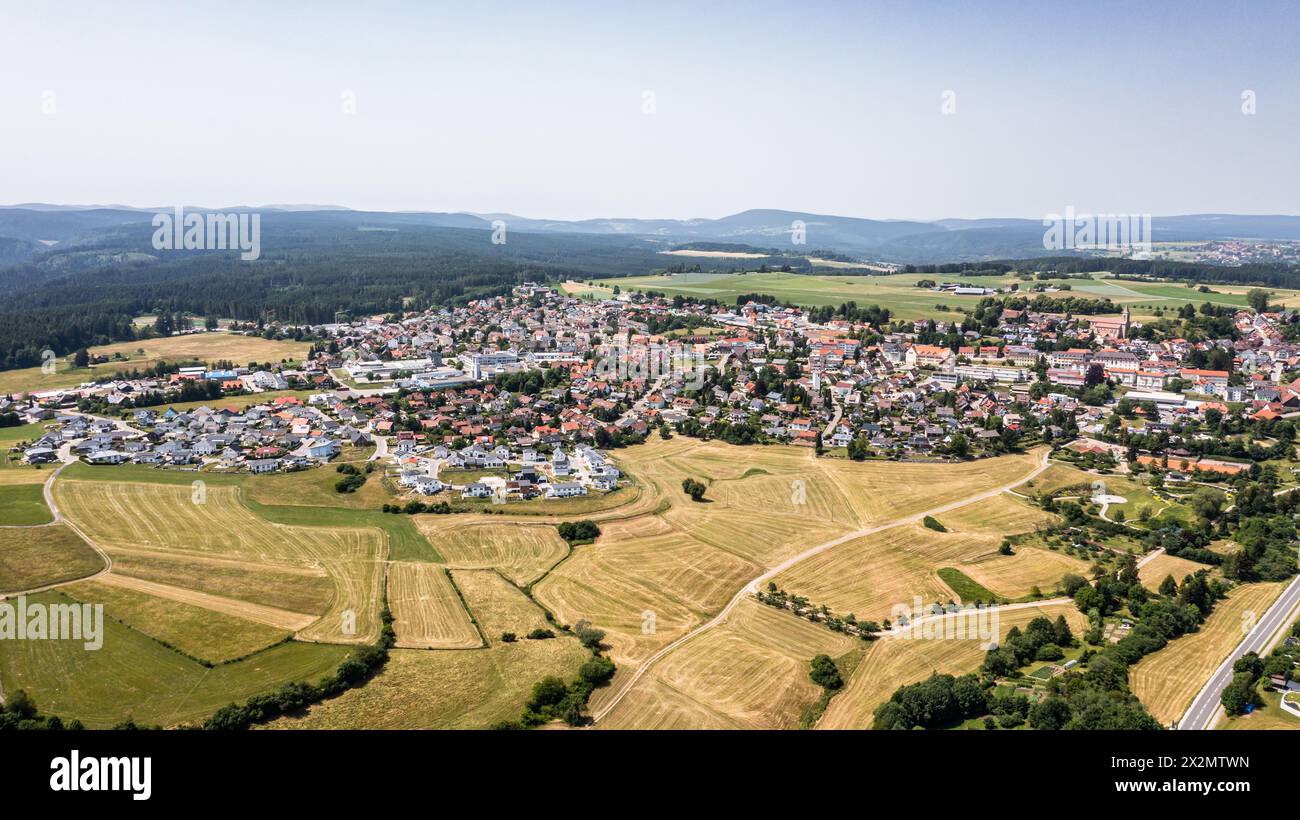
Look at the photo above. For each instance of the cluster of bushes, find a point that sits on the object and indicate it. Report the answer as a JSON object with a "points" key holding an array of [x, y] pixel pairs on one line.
{"points": [[351, 481], [361, 665], [933, 523], [695, 489], [414, 507], [19, 712], [825, 673], [553, 699], [578, 532], [1042, 640]]}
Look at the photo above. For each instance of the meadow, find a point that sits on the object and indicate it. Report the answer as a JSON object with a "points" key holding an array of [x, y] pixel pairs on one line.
{"points": [[899, 293], [38, 556], [136, 676]]}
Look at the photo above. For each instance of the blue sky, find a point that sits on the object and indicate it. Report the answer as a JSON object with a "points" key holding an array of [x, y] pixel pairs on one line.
{"points": [[540, 109]]}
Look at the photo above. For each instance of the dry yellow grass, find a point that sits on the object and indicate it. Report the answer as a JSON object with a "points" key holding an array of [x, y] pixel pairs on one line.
{"points": [[893, 662], [439, 689], [298, 589], [523, 552], [427, 612], [498, 605], [1155, 570], [644, 592], [1016, 576], [135, 517], [1167, 681], [868, 576], [750, 672]]}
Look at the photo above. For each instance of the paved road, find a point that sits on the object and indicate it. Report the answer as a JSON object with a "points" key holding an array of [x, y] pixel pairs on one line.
{"points": [[381, 448], [830, 428], [1206, 708], [753, 586]]}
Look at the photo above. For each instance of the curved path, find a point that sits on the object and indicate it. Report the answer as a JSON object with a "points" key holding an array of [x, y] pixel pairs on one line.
{"points": [[752, 587], [65, 458]]}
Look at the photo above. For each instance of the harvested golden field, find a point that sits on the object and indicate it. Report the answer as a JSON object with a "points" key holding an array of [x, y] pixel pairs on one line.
{"points": [[1167, 681], [643, 592], [886, 491], [498, 605], [1016, 576], [523, 552], [36, 556], [868, 576], [1059, 476], [1002, 515], [1155, 570], [200, 633], [749, 672], [134, 516], [894, 662], [295, 588], [439, 689], [427, 612]]}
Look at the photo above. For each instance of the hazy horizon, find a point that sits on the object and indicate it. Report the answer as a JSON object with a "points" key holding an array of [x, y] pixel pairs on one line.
{"points": [[828, 108]]}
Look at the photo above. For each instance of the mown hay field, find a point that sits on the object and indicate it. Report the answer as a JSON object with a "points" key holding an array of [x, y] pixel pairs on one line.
{"points": [[427, 612], [498, 605], [523, 552], [750, 672], [135, 516], [200, 633], [893, 662], [143, 354], [468, 689], [1164, 565], [1167, 681]]}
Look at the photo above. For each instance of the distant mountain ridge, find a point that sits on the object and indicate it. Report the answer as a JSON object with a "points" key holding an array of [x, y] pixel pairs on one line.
{"points": [[905, 241]]}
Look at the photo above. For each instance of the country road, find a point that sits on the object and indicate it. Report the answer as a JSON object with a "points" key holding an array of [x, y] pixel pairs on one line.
{"points": [[1206, 709], [752, 587], [65, 458]]}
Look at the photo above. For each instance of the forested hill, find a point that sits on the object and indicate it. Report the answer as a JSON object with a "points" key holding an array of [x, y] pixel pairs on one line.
{"points": [[87, 291]]}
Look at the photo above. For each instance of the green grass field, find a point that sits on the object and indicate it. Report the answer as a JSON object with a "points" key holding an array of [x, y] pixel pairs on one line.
{"points": [[899, 293], [39, 556], [136, 676], [22, 505]]}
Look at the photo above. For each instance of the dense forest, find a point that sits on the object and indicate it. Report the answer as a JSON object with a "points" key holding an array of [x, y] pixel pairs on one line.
{"points": [[88, 293]]}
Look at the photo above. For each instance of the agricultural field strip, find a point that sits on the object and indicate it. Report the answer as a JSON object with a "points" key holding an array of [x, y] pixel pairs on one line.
{"points": [[294, 545], [271, 616], [753, 585]]}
